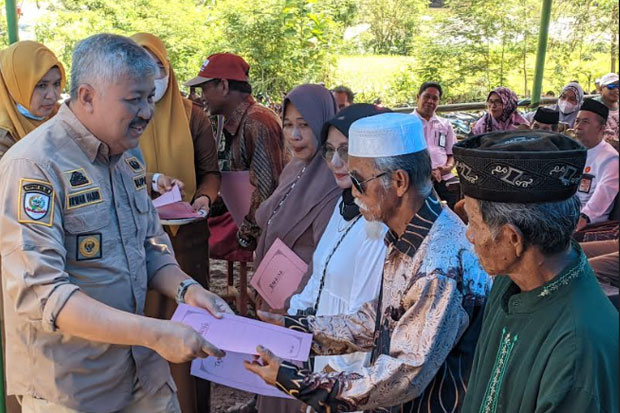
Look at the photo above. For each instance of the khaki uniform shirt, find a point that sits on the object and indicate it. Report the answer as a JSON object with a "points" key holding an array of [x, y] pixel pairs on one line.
{"points": [[72, 218]]}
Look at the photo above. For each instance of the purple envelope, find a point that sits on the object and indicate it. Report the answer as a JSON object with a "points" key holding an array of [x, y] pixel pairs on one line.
{"points": [[243, 335], [278, 276], [230, 371]]}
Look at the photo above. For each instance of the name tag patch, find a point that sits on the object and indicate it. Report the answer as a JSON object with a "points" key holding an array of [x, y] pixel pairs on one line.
{"points": [[36, 202], [442, 140], [134, 164], [83, 198], [88, 247], [77, 178], [586, 183], [140, 182]]}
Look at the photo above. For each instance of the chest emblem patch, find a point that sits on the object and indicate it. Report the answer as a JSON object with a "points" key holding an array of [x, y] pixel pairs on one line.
{"points": [[89, 247]]}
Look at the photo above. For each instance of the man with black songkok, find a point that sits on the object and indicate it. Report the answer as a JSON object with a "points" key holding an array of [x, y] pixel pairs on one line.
{"points": [[546, 119], [599, 184], [549, 340]]}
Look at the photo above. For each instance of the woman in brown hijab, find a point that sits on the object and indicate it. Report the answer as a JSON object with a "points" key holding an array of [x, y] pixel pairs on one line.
{"points": [[300, 208]]}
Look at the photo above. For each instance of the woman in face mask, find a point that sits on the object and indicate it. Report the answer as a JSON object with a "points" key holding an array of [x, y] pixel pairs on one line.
{"points": [[178, 147], [31, 79], [569, 103]]}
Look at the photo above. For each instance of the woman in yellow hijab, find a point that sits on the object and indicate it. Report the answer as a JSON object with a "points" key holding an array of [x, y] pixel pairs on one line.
{"points": [[31, 79], [178, 143]]}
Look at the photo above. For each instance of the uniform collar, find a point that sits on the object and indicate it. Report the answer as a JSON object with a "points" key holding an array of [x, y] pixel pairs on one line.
{"points": [[90, 145], [233, 122], [417, 228]]}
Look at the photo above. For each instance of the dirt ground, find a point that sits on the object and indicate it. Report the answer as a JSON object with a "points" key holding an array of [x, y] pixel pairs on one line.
{"points": [[223, 397]]}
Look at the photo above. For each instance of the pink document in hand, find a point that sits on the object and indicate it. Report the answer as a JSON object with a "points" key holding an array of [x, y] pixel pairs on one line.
{"points": [[170, 205], [178, 210], [243, 335], [278, 275], [236, 191], [230, 371]]}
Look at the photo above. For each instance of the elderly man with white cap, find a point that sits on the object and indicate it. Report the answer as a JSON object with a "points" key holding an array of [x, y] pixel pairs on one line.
{"points": [[423, 328]]}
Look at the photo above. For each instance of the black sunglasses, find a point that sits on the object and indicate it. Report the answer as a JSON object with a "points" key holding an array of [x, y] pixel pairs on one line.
{"points": [[359, 186]]}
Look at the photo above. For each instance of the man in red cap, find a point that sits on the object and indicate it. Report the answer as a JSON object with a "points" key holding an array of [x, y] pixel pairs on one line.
{"points": [[252, 134]]}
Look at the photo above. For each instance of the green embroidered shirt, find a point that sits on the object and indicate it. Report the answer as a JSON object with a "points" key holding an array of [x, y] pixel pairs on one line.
{"points": [[552, 349]]}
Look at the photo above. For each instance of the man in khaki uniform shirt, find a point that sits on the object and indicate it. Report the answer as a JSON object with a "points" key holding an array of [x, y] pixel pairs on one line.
{"points": [[81, 243]]}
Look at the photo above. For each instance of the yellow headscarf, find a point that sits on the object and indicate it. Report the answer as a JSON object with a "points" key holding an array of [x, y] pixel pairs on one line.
{"points": [[167, 142], [22, 66]]}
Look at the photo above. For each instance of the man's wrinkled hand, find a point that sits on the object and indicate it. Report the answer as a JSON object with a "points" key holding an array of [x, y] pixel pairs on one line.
{"points": [[179, 343], [265, 365], [271, 318], [197, 296]]}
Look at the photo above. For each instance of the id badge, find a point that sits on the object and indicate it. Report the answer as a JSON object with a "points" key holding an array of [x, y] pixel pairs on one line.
{"points": [[586, 183], [442, 140]]}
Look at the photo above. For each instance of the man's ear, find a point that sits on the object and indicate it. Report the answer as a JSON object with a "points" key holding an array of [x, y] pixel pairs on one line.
{"points": [[515, 237], [401, 181], [85, 97], [225, 87]]}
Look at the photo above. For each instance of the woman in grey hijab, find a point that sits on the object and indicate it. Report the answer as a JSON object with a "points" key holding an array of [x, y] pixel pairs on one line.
{"points": [[569, 103]]}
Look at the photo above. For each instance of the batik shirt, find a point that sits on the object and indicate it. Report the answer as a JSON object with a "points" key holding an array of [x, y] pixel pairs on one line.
{"points": [[432, 288]]}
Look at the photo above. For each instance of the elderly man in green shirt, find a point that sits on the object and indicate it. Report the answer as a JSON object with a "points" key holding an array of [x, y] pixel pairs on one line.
{"points": [[549, 341]]}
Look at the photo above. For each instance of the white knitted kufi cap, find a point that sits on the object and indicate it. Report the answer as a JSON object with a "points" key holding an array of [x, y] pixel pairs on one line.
{"points": [[387, 134]]}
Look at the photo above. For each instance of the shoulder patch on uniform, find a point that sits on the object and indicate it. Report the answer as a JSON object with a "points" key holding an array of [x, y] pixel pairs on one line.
{"points": [[139, 182], [134, 164], [36, 202], [83, 198], [77, 178], [88, 247]]}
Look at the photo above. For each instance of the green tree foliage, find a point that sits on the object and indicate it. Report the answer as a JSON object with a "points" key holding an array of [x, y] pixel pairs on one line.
{"points": [[392, 24], [286, 42]]}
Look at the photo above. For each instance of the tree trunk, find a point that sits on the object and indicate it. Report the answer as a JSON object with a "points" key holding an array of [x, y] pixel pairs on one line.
{"points": [[614, 39]]}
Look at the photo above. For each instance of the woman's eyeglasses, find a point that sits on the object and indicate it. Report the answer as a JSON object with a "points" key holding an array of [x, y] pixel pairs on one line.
{"points": [[359, 186], [612, 86], [328, 153]]}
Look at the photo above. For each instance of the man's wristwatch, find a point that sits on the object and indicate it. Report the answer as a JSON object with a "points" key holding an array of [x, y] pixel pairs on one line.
{"points": [[185, 284], [154, 185]]}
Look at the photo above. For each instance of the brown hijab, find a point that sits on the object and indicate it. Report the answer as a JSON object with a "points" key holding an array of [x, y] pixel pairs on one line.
{"points": [[300, 221]]}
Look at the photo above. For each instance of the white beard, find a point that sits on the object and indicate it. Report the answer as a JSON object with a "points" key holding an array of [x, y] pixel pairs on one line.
{"points": [[374, 230]]}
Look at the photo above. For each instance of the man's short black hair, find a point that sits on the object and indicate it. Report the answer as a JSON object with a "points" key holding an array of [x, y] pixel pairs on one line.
{"points": [[344, 89], [243, 87], [426, 85]]}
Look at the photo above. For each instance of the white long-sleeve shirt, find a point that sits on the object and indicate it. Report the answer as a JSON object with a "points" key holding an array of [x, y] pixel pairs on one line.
{"points": [[353, 277], [599, 185]]}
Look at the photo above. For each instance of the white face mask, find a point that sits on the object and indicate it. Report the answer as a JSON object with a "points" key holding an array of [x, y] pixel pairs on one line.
{"points": [[566, 107], [161, 85]]}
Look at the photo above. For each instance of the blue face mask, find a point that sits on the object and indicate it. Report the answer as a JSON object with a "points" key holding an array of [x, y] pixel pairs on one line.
{"points": [[25, 112]]}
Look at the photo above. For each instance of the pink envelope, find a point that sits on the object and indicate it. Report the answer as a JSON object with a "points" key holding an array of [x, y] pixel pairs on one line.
{"points": [[236, 191], [177, 210], [278, 275]]}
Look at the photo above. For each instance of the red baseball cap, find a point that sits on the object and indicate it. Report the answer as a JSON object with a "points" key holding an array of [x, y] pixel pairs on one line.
{"points": [[221, 66]]}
